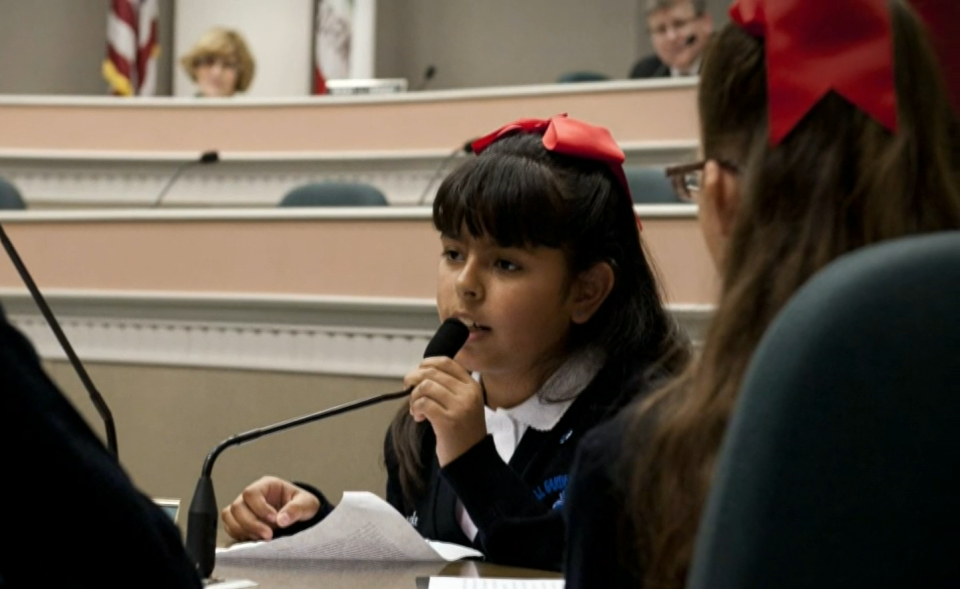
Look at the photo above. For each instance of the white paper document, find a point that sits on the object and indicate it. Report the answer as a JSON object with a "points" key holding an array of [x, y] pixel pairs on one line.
{"points": [[471, 583], [363, 527]]}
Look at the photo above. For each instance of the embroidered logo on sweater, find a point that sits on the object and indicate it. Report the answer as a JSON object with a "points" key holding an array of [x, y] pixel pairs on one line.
{"points": [[552, 486], [413, 519], [559, 503]]}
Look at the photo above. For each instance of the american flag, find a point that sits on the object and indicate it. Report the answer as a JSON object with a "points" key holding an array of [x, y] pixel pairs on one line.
{"points": [[333, 35], [133, 47]]}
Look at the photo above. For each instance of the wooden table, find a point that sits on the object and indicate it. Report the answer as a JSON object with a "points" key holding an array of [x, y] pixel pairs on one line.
{"points": [[354, 575]]}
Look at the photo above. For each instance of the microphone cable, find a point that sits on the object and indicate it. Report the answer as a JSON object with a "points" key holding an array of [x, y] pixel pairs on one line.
{"points": [[465, 148]]}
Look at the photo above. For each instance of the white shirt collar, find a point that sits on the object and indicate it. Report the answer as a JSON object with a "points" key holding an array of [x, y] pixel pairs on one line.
{"points": [[694, 70], [543, 410]]}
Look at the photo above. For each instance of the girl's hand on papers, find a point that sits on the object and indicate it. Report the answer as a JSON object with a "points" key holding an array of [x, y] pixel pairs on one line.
{"points": [[445, 394], [266, 505]]}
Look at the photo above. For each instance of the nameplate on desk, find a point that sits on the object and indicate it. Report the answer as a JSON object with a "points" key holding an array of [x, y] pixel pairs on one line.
{"points": [[366, 86], [169, 506]]}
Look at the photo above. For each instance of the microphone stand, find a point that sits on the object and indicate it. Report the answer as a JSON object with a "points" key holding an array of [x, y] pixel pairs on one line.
{"points": [[95, 396], [207, 157], [201, 541]]}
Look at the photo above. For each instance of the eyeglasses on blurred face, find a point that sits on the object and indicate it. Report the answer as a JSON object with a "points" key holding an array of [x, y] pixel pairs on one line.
{"points": [[226, 63], [687, 179]]}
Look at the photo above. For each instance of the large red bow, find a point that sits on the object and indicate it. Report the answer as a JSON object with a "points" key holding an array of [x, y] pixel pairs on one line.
{"points": [[569, 137], [815, 46]]}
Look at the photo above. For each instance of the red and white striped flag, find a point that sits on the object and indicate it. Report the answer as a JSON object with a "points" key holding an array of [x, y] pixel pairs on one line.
{"points": [[133, 47], [333, 30]]}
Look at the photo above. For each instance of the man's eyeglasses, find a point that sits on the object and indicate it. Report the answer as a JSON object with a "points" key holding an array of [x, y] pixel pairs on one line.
{"points": [[687, 179]]}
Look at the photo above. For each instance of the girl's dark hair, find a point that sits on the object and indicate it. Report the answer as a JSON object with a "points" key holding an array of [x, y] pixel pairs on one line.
{"points": [[838, 181], [522, 195]]}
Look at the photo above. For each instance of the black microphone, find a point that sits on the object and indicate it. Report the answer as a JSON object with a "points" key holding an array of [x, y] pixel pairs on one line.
{"points": [[207, 157], [201, 542], [428, 75], [465, 148], [105, 414]]}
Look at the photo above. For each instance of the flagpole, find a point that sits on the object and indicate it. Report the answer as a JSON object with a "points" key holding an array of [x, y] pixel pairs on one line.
{"points": [[363, 41]]}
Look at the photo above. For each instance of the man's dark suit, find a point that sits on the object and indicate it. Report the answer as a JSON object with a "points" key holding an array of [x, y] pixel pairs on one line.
{"points": [[650, 67], [72, 517]]}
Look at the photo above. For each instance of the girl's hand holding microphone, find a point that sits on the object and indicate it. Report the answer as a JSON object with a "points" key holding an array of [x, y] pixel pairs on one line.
{"points": [[447, 396]]}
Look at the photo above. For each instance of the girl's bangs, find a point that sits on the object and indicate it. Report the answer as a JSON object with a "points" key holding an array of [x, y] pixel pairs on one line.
{"points": [[509, 198]]}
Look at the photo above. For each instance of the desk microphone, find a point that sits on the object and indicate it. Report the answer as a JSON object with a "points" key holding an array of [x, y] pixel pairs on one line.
{"points": [[207, 157], [95, 396], [428, 75], [465, 148], [201, 542]]}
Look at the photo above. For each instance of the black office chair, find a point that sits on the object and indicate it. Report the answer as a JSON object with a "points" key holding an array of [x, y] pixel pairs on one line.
{"points": [[581, 76], [650, 186], [10, 197], [334, 194], [840, 468]]}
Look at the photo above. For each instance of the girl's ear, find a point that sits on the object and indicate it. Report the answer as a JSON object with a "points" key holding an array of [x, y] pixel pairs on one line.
{"points": [[589, 291], [719, 203]]}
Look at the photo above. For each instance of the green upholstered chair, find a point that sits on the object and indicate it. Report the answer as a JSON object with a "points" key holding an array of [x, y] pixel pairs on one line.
{"points": [[334, 194], [10, 197], [650, 186], [840, 466]]}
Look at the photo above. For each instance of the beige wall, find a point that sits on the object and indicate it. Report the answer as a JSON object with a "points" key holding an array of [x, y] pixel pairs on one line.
{"points": [[505, 42], [343, 257], [658, 111], [168, 419], [58, 46]]}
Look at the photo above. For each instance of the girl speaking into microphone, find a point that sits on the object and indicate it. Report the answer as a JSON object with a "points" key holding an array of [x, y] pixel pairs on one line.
{"points": [[541, 257]]}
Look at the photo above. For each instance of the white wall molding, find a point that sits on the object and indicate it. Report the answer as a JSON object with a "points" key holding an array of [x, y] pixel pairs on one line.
{"points": [[311, 334], [63, 178]]}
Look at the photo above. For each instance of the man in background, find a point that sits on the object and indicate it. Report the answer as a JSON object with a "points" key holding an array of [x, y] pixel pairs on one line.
{"points": [[679, 30]]}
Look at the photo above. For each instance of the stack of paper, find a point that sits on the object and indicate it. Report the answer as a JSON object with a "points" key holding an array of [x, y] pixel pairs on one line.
{"points": [[363, 527]]}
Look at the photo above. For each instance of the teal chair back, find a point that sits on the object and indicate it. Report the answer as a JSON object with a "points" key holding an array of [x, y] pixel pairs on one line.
{"points": [[581, 76], [10, 197], [334, 194], [840, 466], [650, 186]]}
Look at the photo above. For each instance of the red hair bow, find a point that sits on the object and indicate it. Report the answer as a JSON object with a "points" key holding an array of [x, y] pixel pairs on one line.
{"points": [[569, 137], [815, 46]]}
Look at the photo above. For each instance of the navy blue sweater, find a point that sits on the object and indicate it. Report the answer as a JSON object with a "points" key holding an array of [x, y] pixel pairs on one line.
{"points": [[516, 506], [72, 516]]}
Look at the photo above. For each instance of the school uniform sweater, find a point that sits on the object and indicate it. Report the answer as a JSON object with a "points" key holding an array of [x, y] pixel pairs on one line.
{"points": [[598, 550], [601, 547], [515, 505], [73, 517]]}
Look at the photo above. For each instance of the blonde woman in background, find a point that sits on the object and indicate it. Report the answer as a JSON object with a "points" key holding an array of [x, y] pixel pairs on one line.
{"points": [[220, 64]]}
